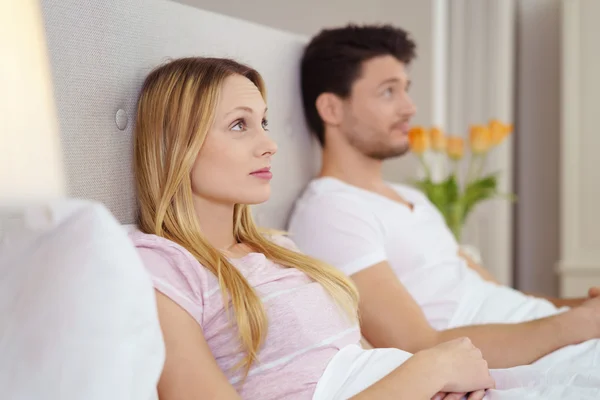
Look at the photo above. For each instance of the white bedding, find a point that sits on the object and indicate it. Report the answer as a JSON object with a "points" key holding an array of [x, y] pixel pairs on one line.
{"points": [[78, 317], [572, 372], [354, 369], [78, 321]]}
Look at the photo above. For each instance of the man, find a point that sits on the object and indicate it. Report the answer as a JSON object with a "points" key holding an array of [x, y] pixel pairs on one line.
{"points": [[416, 289]]}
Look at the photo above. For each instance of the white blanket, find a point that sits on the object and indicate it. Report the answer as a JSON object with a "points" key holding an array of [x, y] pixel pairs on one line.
{"points": [[572, 372], [488, 303], [354, 369]]}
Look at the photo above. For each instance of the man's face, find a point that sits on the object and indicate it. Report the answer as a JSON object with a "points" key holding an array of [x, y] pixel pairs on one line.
{"points": [[378, 111]]}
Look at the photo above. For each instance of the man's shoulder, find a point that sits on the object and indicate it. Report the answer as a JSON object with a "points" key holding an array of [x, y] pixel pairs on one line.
{"points": [[329, 192], [328, 203], [404, 188], [409, 192]]}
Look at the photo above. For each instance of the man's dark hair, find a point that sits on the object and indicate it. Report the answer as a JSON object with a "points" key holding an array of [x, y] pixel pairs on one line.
{"points": [[333, 60]]}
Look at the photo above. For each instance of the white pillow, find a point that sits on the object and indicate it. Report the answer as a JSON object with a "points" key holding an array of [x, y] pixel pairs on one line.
{"points": [[78, 318]]}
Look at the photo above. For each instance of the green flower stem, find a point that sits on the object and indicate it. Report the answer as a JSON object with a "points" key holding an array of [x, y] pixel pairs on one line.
{"points": [[481, 165], [425, 166], [456, 164], [456, 230], [454, 219], [472, 168]]}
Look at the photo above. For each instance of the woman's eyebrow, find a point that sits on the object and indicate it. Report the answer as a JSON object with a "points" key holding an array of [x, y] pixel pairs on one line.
{"points": [[244, 108]]}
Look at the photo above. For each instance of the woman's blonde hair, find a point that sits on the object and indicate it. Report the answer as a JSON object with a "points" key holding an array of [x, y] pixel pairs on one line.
{"points": [[176, 109]]}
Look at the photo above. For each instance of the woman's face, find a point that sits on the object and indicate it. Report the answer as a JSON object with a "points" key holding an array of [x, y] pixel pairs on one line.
{"points": [[233, 166]]}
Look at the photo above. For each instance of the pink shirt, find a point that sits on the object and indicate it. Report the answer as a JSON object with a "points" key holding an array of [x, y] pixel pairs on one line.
{"points": [[306, 328]]}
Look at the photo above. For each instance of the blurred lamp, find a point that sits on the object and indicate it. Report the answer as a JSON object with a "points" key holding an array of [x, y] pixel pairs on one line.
{"points": [[30, 156]]}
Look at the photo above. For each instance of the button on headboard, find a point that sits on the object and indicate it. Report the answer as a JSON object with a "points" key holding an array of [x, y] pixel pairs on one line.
{"points": [[100, 53]]}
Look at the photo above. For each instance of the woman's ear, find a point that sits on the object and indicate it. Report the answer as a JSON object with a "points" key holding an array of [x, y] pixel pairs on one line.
{"points": [[329, 107]]}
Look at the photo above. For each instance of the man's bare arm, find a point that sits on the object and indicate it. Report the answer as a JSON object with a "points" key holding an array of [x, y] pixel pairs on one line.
{"points": [[390, 317], [483, 273]]}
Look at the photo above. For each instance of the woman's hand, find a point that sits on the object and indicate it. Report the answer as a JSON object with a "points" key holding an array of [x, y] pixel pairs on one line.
{"points": [[462, 367], [478, 395], [450, 369]]}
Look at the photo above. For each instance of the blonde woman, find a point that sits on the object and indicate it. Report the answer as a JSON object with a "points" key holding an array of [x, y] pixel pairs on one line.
{"points": [[243, 313]]}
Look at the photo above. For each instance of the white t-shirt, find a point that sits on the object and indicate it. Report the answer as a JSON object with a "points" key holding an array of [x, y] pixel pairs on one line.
{"points": [[354, 229]]}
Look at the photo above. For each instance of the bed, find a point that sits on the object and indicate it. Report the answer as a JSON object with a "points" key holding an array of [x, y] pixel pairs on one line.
{"points": [[100, 52]]}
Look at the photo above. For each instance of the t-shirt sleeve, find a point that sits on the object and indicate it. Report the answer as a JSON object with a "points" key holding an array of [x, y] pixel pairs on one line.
{"points": [[339, 230], [176, 276], [284, 241]]}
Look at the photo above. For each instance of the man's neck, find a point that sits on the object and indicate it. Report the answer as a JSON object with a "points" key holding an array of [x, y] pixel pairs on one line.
{"points": [[360, 171], [350, 166]]}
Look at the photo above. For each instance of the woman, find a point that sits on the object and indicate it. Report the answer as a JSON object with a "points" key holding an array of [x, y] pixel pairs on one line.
{"points": [[202, 155]]}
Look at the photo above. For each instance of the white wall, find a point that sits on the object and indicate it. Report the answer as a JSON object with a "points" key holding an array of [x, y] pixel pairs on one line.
{"points": [[537, 147], [308, 17], [580, 144]]}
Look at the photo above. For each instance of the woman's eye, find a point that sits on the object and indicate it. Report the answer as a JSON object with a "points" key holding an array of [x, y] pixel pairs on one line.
{"points": [[388, 92], [265, 124], [239, 126]]}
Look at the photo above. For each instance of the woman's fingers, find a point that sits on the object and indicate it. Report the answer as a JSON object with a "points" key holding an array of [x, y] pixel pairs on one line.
{"points": [[478, 395], [492, 382], [454, 396]]}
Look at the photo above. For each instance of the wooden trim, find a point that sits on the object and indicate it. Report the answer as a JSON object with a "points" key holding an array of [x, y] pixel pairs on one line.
{"points": [[570, 129]]}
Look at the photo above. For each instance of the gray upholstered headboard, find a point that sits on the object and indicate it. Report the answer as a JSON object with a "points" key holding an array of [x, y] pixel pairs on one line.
{"points": [[101, 51]]}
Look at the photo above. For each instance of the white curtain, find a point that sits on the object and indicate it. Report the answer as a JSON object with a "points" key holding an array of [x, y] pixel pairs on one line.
{"points": [[475, 54]]}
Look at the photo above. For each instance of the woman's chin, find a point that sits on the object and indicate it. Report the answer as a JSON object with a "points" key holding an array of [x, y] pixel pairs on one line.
{"points": [[257, 198]]}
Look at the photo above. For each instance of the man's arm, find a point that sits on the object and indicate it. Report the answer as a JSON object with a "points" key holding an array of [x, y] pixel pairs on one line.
{"points": [[486, 275], [560, 302], [390, 317], [483, 273]]}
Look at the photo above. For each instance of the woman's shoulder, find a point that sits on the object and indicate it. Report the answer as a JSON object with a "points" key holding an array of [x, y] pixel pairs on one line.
{"points": [[175, 272], [281, 239], [149, 243], [174, 253], [167, 260]]}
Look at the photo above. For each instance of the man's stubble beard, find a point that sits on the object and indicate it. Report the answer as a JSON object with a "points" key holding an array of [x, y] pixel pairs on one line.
{"points": [[377, 150]]}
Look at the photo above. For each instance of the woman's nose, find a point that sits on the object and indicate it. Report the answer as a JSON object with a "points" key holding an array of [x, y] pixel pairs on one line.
{"points": [[268, 147]]}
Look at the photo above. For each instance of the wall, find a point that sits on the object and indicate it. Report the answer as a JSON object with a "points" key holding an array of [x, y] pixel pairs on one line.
{"points": [[537, 147], [580, 175], [309, 16]]}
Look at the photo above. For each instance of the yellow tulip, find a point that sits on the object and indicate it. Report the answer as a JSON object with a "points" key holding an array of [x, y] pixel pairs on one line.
{"points": [[499, 131], [418, 138], [481, 139], [455, 147], [438, 139]]}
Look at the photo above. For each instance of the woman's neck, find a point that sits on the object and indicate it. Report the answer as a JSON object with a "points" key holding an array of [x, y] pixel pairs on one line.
{"points": [[216, 221]]}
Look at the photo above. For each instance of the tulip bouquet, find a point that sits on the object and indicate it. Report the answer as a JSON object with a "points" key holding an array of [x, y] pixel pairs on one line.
{"points": [[454, 197]]}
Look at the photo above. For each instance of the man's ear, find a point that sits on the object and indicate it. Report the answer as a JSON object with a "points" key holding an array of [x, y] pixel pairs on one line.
{"points": [[329, 107]]}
